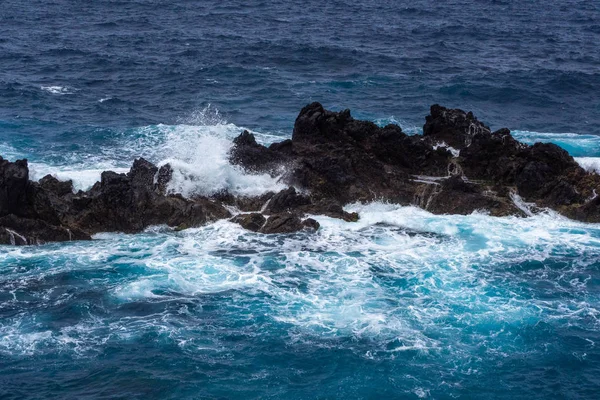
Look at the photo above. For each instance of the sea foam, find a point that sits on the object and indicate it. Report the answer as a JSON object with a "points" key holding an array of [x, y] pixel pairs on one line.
{"points": [[197, 149], [591, 164], [199, 156]]}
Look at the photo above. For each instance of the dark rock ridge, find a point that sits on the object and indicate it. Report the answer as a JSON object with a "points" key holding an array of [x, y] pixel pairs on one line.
{"points": [[285, 222], [48, 210], [457, 166]]}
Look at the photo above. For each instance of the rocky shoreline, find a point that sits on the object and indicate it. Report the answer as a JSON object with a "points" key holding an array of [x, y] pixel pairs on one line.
{"points": [[457, 166]]}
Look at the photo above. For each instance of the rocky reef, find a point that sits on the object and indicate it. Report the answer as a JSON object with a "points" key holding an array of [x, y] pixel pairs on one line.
{"points": [[457, 166]]}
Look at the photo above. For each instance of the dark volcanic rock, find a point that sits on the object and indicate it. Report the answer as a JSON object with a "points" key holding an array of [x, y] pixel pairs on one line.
{"points": [[59, 188], [589, 211], [50, 211], [165, 174], [15, 188], [282, 223], [493, 157], [455, 195], [288, 223], [131, 202], [30, 211], [336, 157], [339, 160], [453, 126], [311, 224], [21, 231], [286, 200], [285, 222], [331, 208], [244, 203], [544, 164], [255, 157], [253, 222]]}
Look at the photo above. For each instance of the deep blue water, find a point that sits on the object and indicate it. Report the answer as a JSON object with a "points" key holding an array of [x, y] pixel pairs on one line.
{"points": [[403, 304]]}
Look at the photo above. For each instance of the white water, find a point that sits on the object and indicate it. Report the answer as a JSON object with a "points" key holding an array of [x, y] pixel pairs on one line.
{"points": [[58, 89], [83, 179], [197, 149], [591, 164], [334, 283], [578, 145], [200, 159]]}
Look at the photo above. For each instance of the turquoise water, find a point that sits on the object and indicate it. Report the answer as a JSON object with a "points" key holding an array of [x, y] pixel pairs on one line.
{"points": [[402, 304]]}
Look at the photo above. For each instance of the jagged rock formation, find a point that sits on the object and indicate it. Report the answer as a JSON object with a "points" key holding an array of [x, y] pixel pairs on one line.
{"points": [[34, 213], [285, 222], [457, 166], [28, 213]]}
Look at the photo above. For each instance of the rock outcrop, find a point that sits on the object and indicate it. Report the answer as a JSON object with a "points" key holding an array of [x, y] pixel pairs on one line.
{"points": [[29, 212], [285, 222], [48, 210], [457, 166]]}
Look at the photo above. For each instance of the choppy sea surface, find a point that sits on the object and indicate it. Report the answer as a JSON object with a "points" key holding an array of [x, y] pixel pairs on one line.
{"points": [[402, 304]]}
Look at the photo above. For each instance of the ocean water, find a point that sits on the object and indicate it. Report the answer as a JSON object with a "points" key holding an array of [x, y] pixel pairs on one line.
{"points": [[402, 304]]}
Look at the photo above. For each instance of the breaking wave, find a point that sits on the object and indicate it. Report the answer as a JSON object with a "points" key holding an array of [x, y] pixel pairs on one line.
{"points": [[197, 149]]}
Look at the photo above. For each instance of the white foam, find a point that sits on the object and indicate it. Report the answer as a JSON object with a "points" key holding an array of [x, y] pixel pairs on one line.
{"points": [[377, 279], [14, 341], [199, 156], [8, 152], [522, 204], [197, 149], [83, 179], [341, 296], [590, 164], [58, 89], [451, 149], [391, 279]]}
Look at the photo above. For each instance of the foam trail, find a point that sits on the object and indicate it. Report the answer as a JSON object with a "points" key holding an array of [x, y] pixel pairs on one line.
{"points": [[58, 89], [399, 281], [8, 152]]}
